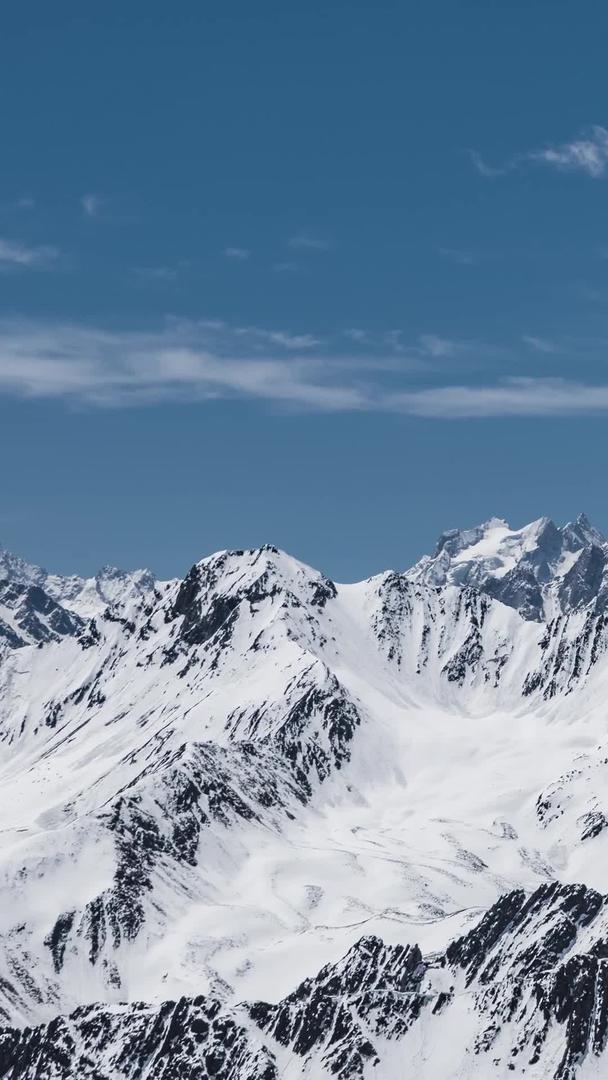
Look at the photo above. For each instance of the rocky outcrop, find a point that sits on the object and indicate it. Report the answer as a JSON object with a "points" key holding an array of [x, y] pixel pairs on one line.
{"points": [[533, 973]]}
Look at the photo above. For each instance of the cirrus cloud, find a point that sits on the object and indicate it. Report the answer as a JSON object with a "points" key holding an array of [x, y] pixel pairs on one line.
{"points": [[189, 361], [91, 205], [508, 397], [586, 154], [15, 255]]}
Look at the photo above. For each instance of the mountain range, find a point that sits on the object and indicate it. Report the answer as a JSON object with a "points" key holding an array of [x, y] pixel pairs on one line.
{"points": [[258, 824]]}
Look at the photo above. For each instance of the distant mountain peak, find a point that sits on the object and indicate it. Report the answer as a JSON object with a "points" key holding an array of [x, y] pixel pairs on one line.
{"points": [[533, 568], [84, 596]]}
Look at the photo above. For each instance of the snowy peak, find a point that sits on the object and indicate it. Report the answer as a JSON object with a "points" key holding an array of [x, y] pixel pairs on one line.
{"points": [[217, 589], [31, 612], [111, 587], [541, 570], [272, 569], [581, 533], [14, 568], [84, 597]]}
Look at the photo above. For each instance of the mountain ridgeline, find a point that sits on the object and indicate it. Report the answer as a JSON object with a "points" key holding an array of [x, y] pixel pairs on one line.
{"points": [[258, 824]]}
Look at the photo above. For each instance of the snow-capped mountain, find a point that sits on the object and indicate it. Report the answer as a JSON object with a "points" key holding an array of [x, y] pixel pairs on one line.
{"points": [[254, 823], [540, 570], [85, 597]]}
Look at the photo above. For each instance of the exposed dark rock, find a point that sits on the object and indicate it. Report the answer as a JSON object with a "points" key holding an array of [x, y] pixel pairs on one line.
{"points": [[185, 1040], [374, 990], [593, 823], [208, 784], [38, 616], [534, 974]]}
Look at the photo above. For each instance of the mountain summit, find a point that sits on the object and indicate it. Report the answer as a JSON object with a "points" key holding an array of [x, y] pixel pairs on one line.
{"points": [[541, 570], [256, 823]]}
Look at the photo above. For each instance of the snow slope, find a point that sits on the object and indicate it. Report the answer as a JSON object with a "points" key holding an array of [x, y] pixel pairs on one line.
{"points": [[221, 785]]}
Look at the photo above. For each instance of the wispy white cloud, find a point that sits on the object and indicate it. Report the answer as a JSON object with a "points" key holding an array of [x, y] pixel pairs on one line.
{"points": [[394, 342], [540, 344], [16, 255], [239, 253], [436, 346], [361, 337], [198, 361], [278, 337], [303, 241], [489, 171], [510, 397], [587, 154], [91, 205], [185, 361]]}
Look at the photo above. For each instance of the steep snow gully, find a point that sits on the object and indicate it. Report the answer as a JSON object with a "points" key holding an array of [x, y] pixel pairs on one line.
{"points": [[255, 824]]}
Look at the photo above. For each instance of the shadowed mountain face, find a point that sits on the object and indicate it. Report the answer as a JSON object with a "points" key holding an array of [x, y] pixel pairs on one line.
{"points": [[258, 824]]}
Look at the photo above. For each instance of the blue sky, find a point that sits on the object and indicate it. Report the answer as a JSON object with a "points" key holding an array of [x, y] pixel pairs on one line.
{"points": [[333, 276]]}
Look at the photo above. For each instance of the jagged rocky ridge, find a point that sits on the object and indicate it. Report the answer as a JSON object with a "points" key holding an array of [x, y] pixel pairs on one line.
{"points": [[540, 569], [533, 974], [200, 776]]}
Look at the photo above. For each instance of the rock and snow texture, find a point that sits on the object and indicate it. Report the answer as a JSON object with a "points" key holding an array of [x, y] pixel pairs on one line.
{"points": [[540, 570], [256, 824], [524, 993]]}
